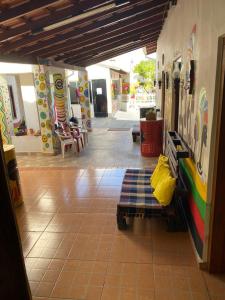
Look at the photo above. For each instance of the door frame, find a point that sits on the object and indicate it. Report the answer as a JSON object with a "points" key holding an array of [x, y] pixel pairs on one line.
{"points": [[216, 180], [13, 277]]}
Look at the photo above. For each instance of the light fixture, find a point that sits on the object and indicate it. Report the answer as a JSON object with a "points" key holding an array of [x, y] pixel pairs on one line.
{"points": [[86, 14]]}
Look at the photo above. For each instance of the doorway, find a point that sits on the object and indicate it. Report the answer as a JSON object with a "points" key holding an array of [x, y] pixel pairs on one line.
{"points": [[163, 95], [99, 93], [216, 181], [176, 93]]}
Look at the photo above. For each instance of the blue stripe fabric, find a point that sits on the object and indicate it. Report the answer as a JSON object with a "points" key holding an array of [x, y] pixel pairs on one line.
{"points": [[136, 189]]}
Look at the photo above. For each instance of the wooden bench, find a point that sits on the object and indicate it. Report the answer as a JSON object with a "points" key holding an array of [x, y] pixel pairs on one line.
{"points": [[137, 200]]}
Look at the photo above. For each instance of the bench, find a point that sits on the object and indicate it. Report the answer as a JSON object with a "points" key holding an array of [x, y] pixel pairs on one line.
{"points": [[137, 200]]}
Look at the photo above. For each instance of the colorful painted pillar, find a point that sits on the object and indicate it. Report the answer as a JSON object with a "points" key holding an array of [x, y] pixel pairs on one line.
{"points": [[45, 111], [6, 120], [60, 98], [84, 99]]}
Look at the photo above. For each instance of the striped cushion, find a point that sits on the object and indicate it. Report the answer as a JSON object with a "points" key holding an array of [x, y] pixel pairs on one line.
{"points": [[136, 190]]}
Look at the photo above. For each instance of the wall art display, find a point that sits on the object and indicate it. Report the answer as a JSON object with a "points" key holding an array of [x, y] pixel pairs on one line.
{"points": [[83, 92], [6, 121], [44, 109]]}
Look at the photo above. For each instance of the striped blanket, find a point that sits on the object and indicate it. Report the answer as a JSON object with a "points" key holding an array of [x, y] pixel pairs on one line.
{"points": [[136, 190]]}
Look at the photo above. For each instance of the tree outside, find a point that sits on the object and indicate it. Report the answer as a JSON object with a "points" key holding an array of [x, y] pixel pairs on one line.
{"points": [[145, 75]]}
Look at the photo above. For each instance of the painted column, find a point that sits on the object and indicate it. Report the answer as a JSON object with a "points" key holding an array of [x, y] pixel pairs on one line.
{"points": [[44, 105], [6, 121], [60, 99], [84, 99]]}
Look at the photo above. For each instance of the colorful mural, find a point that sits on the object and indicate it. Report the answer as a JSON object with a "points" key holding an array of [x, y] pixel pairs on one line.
{"points": [[83, 93], [196, 206], [44, 110], [6, 121], [201, 130]]}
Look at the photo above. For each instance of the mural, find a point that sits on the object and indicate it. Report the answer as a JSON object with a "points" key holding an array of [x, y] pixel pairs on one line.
{"points": [[44, 111], [201, 130], [83, 93], [6, 121], [196, 206]]}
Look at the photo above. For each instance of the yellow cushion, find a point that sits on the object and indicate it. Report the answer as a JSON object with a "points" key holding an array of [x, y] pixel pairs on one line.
{"points": [[164, 190], [162, 171], [162, 159]]}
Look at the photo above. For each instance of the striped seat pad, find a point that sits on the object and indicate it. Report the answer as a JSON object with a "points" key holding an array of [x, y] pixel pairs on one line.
{"points": [[136, 190]]}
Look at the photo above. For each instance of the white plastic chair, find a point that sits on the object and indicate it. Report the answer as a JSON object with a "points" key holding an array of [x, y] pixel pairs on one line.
{"points": [[66, 141]]}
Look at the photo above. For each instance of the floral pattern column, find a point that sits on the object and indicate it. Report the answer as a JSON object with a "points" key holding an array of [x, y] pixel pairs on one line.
{"points": [[44, 105], [84, 99], [6, 121]]}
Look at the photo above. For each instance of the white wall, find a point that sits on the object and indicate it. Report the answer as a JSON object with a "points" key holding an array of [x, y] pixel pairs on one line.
{"points": [[29, 100], [99, 72]]}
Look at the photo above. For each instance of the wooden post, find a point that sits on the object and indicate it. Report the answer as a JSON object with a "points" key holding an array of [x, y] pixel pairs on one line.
{"points": [[13, 278]]}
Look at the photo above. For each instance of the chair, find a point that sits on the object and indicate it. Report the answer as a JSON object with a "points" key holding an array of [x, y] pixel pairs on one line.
{"points": [[78, 137], [66, 141]]}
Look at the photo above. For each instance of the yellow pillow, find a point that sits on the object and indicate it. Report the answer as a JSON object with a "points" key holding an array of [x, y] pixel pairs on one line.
{"points": [[164, 190], [162, 159], [162, 171]]}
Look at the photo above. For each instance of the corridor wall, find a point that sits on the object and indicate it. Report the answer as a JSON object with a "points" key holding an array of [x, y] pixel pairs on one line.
{"points": [[190, 35]]}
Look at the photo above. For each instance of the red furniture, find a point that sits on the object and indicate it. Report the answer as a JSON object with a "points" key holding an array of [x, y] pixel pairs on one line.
{"points": [[151, 137]]}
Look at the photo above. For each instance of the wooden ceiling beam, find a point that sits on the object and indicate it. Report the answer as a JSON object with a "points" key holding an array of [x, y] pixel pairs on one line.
{"points": [[114, 53], [117, 29], [24, 9], [152, 37], [134, 11], [138, 34], [57, 15]]}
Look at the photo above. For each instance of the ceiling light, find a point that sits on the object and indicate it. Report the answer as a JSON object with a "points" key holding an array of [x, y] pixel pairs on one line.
{"points": [[86, 14], [79, 17]]}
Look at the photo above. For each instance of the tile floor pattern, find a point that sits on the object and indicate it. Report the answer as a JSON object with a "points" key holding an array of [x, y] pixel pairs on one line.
{"points": [[114, 149], [74, 251]]}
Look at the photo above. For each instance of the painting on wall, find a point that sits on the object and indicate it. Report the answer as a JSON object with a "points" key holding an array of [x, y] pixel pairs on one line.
{"points": [[202, 129], [6, 120], [83, 92]]}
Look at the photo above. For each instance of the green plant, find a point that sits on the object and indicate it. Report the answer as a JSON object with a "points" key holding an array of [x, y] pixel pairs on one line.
{"points": [[145, 71]]}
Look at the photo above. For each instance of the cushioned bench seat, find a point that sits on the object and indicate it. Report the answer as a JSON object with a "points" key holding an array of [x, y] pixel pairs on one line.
{"points": [[136, 190]]}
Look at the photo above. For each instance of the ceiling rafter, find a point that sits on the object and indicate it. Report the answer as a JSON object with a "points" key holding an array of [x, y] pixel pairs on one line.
{"points": [[113, 53], [110, 46], [132, 12], [118, 29], [23, 9], [90, 38], [138, 34]]}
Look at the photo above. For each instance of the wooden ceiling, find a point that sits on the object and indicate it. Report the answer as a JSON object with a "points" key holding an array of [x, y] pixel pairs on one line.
{"points": [[95, 30]]}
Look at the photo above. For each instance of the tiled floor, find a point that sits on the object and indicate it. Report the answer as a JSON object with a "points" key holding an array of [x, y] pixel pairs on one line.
{"points": [[73, 249], [106, 149], [70, 240]]}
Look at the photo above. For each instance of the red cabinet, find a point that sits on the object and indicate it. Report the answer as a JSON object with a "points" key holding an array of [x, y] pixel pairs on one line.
{"points": [[151, 137]]}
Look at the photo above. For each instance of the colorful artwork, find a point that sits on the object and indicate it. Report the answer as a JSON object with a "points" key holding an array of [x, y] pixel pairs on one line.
{"points": [[59, 94], [6, 123], [202, 123], [196, 208], [83, 92], [125, 88], [44, 109]]}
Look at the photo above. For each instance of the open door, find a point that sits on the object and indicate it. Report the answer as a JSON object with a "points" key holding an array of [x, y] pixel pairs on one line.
{"points": [[100, 97], [13, 278]]}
